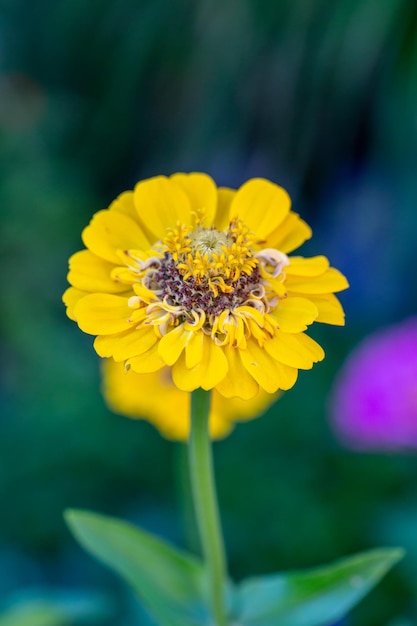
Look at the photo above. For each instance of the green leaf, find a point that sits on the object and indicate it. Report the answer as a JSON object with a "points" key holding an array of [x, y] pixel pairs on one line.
{"points": [[171, 583], [315, 597]]}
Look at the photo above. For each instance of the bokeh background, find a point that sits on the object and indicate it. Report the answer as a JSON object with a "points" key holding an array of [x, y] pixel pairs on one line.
{"points": [[320, 97]]}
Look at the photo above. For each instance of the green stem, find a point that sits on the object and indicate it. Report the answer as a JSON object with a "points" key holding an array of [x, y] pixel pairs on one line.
{"points": [[205, 502]]}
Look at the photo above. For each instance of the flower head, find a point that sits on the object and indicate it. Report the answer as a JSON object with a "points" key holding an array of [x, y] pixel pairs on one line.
{"points": [[183, 274], [373, 405], [155, 398]]}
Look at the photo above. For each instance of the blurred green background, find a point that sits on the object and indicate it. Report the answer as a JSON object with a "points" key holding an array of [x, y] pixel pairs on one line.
{"points": [[318, 96]]}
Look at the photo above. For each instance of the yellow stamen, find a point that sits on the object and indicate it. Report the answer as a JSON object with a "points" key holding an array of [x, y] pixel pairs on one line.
{"points": [[212, 255]]}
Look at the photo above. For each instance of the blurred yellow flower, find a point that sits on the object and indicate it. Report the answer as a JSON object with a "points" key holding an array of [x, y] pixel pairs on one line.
{"points": [[155, 398], [183, 274]]}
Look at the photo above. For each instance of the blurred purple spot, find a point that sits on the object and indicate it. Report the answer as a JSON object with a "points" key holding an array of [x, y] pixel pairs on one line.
{"points": [[373, 404]]}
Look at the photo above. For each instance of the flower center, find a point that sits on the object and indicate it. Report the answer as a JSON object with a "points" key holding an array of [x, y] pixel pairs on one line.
{"points": [[215, 258], [211, 295], [208, 278], [208, 241]]}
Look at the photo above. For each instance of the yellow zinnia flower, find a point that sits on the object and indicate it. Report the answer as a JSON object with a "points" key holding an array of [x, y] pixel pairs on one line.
{"points": [[154, 397], [183, 274]]}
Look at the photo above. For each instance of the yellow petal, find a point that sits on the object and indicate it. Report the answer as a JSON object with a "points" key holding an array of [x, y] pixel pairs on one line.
{"points": [[202, 194], [313, 266], [295, 314], [218, 426], [262, 205], [70, 298], [290, 234], [224, 201], [154, 397], [238, 383], [103, 314], [147, 396], [126, 345], [294, 351], [207, 374], [110, 231], [330, 310], [125, 204], [173, 343], [89, 272], [149, 361], [104, 344], [161, 204], [194, 350], [270, 374], [331, 280], [242, 410], [312, 346]]}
